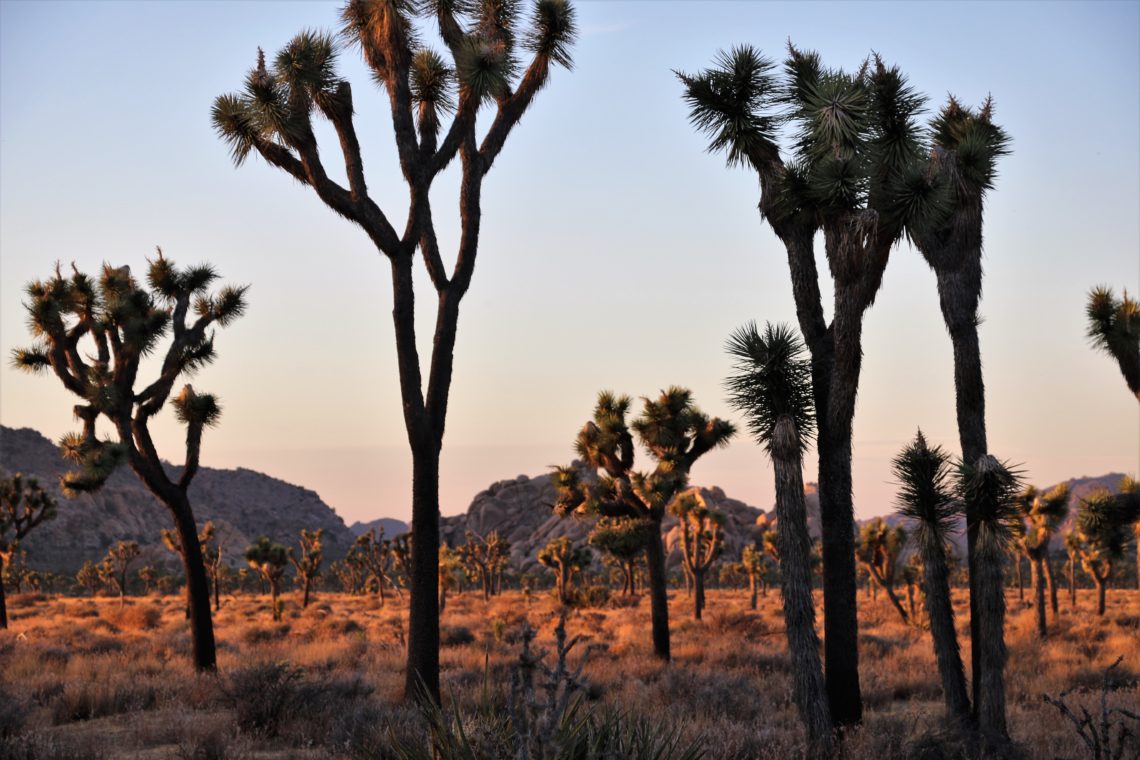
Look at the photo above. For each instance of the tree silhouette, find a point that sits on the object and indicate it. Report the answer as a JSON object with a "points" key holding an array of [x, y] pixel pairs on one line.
{"points": [[1114, 328], [308, 565], [854, 172], [926, 497], [24, 504], [273, 117], [211, 558], [450, 565], [566, 560], [879, 548], [676, 434], [374, 554], [269, 560], [755, 565], [701, 535], [771, 386], [114, 568], [125, 324]]}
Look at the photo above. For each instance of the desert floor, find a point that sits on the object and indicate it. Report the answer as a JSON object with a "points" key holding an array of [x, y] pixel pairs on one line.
{"points": [[86, 678]]}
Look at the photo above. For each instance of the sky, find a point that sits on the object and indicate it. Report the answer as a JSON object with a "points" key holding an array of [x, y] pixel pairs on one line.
{"points": [[615, 252]]}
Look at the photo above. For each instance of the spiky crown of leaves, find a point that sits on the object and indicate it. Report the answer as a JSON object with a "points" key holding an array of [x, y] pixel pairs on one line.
{"points": [[926, 493]]}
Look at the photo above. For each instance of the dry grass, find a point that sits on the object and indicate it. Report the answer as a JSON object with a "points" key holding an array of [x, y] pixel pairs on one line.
{"points": [[84, 678]]}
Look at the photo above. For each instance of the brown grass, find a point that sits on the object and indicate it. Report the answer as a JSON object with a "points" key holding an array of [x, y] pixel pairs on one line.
{"points": [[86, 678]]}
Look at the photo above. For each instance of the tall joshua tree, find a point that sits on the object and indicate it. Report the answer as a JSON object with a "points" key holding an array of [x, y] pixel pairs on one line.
{"points": [[125, 323], [1114, 328], [1103, 524], [24, 504], [676, 434], [771, 386], [701, 535], [308, 564], [962, 167], [273, 117], [927, 498], [269, 560], [853, 171], [1043, 515]]}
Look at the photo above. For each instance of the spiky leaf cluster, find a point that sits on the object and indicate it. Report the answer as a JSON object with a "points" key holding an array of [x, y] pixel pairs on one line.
{"points": [[622, 537], [1043, 513], [926, 490], [1104, 521], [1114, 328], [993, 489], [24, 504], [976, 141], [771, 380], [561, 553], [267, 557]]}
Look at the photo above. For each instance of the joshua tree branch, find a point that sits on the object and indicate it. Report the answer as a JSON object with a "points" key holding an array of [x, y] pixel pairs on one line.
{"points": [[511, 109]]}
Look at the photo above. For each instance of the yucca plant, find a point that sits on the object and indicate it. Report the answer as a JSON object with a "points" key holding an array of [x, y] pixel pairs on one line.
{"points": [[993, 488], [676, 433], [879, 548], [481, 70], [755, 565], [1114, 328], [115, 567], [1104, 522], [269, 560], [307, 566], [926, 498], [24, 504], [771, 387], [1043, 514], [702, 531], [373, 553], [566, 560], [852, 150], [450, 565], [94, 334], [484, 558]]}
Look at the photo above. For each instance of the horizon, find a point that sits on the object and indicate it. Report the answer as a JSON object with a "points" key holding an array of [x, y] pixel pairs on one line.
{"points": [[637, 226]]}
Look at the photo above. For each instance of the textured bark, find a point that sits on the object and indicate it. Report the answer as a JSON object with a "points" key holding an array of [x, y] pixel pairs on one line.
{"points": [[990, 705], [809, 690], [1101, 585], [751, 588], [698, 593], [422, 675], [197, 587], [658, 593], [940, 611], [1052, 582], [1039, 596], [1072, 581]]}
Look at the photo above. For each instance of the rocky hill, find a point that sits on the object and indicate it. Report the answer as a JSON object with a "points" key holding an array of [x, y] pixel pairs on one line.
{"points": [[391, 527], [243, 504]]}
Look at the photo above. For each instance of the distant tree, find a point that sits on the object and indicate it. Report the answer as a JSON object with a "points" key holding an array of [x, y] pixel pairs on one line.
{"points": [[624, 539], [350, 573], [879, 548], [23, 506], [1114, 328], [402, 555], [926, 497], [148, 575], [911, 574], [89, 578], [701, 535], [1073, 550], [771, 386], [269, 560], [273, 118], [676, 434], [374, 554], [16, 572], [125, 324], [114, 568], [308, 565], [450, 565], [566, 560], [1104, 522], [483, 557], [1130, 494], [754, 564], [1043, 515]]}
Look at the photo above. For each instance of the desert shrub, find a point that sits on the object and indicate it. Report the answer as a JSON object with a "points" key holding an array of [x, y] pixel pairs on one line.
{"points": [[587, 597], [84, 701], [260, 635], [13, 714], [623, 602], [136, 617], [263, 695], [340, 627], [456, 636], [48, 747]]}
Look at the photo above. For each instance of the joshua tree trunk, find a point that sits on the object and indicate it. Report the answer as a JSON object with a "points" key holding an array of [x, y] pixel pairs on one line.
{"points": [[878, 580], [1052, 581], [1039, 595], [809, 689], [940, 611], [217, 594], [305, 600], [990, 704], [698, 593], [422, 674], [627, 569], [1073, 582], [3, 601], [658, 592], [752, 589], [910, 598], [197, 586], [1101, 585]]}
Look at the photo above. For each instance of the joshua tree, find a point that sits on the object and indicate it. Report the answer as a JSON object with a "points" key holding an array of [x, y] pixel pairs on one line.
{"points": [[211, 557], [1103, 523], [274, 118], [771, 386], [450, 565], [1043, 515], [115, 566], [148, 575], [754, 563], [349, 573], [701, 536], [23, 506], [926, 497], [125, 323], [993, 490], [308, 566], [624, 539], [1073, 549], [269, 560], [89, 577], [1114, 328], [484, 556], [855, 173], [676, 434], [910, 574], [878, 549], [566, 560], [374, 554]]}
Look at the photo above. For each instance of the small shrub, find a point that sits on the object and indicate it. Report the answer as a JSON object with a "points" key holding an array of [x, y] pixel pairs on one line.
{"points": [[263, 695], [587, 597], [13, 714], [457, 635], [137, 617]]}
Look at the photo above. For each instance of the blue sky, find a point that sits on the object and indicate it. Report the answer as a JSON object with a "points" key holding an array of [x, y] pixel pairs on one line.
{"points": [[615, 252]]}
